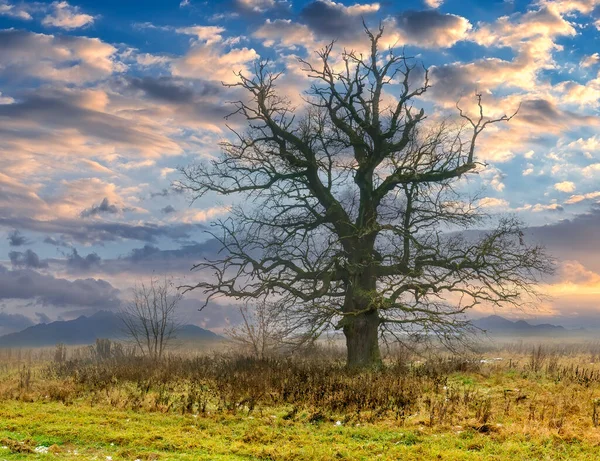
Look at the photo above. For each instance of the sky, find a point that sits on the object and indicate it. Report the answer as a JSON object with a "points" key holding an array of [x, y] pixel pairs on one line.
{"points": [[101, 102]]}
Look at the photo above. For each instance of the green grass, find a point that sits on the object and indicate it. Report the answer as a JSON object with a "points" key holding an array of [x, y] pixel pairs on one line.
{"points": [[82, 432], [289, 410]]}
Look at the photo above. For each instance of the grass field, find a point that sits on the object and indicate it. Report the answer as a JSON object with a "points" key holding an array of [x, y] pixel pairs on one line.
{"points": [[538, 405]]}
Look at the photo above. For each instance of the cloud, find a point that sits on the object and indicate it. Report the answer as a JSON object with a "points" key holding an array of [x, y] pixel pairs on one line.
{"points": [[591, 60], [20, 201], [285, 32], [256, 6], [188, 251], [571, 6], [28, 259], [69, 59], [6, 99], [16, 239], [176, 102], [208, 34], [15, 11], [194, 215], [591, 170], [328, 19], [531, 36], [77, 263], [56, 242], [492, 202], [212, 58], [10, 323], [538, 125], [182, 91], [574, 272], [149, 60], [101, 232], [168, 89], [431, 29], [588, 146], [168, 209], [163, 193], [103, 207], [565, 186], [64, 123], [150, 259], [581, 197], [433, 3], [67, 17], [572, 239], [42, 317], [533, 29], [539, 207], [48, 290], [579, 94]]}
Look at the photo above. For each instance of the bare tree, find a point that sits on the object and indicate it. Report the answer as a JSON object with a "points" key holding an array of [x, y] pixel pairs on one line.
{"points": [[265, 330], [353, 215], [150, 317]]}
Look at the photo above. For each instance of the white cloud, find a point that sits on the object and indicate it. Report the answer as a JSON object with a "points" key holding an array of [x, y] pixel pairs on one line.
{"points": [[56, 58], [286, 33], [147, 60], [565, 186], [492, 202], [580, 198], [591, 60], [6, 99], [212, 58], [67, 17], [207, 34], [191, 216], [164, 172], [589, 146], [14, 11], [539, 207], [258, 6], [581, 95], [591, 170], [528, 171], [360, 9]]}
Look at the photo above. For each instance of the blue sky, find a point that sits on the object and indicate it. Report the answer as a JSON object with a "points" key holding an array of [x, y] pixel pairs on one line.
{"points": [[100, 102]]}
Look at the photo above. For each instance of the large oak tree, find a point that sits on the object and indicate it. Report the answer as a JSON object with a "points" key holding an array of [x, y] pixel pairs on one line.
{"points": [[352, 215]]}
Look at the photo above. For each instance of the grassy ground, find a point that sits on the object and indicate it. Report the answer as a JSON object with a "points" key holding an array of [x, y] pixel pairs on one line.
{"points": [[501, 410], [97, 433]]}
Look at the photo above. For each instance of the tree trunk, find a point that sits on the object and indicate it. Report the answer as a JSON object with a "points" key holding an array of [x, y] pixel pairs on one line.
{"points": [[362, 340], [361, 319]]}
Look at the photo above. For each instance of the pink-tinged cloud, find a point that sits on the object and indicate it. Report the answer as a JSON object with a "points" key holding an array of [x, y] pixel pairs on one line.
{"points": [[65, 16], [61, 58]]}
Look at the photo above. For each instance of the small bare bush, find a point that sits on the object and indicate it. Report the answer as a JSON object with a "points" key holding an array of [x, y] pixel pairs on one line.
{"points": [[265, 331], [150, 317]]}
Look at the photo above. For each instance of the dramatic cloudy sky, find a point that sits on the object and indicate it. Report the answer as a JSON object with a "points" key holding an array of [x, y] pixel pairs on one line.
{"points": [[100, 102]]}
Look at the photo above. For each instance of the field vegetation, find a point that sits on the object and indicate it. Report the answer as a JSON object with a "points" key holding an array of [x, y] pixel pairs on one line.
{"points": [[515, 401]]}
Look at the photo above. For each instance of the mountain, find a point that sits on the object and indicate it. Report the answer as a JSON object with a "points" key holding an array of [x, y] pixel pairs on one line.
{"points": [[496, 325], [85, 330]]}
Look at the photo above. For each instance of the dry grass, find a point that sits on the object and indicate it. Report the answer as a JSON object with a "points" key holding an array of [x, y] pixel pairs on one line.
{"points": [[520, 392]]}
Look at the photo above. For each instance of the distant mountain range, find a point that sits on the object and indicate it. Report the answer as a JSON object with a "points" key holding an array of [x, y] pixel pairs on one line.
{"points": [[85, 330], [496, 325]]}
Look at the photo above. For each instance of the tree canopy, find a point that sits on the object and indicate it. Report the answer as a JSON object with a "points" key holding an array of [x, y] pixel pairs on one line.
{"points": [[353, 215]]}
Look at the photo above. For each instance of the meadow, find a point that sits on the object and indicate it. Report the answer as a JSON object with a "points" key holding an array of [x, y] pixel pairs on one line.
{"points": [[517, 401]]}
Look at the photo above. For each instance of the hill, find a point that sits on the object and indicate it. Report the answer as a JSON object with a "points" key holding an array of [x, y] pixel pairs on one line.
{"points": [[85, 330], [494, 324]]}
